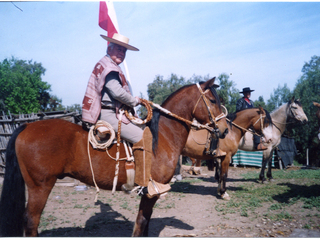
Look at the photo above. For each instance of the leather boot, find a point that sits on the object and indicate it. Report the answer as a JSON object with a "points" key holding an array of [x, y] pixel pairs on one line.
{"points": [[261, 147], [142, 152]]}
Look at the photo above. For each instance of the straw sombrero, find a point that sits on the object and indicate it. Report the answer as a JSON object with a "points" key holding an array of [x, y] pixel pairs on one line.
{"points": [[120, 40]]}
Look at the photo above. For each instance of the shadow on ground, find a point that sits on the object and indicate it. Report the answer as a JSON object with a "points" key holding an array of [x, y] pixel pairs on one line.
{"points": [[110, 223]]}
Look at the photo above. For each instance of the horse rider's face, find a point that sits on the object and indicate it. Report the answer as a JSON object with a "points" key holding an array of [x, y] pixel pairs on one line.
{"points": [[247, 94], [117, 53]]}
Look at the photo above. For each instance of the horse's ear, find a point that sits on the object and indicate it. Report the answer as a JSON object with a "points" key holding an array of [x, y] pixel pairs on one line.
{"points": [[292, 99], [210, 83], [316, 104], [261, 110]]}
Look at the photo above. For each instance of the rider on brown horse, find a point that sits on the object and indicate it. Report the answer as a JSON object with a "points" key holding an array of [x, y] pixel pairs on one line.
{"points": [[106, 92], [244, 103]]}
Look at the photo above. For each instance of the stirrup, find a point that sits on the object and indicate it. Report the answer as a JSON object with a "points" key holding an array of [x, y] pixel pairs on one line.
{"points": [[156, 189]]}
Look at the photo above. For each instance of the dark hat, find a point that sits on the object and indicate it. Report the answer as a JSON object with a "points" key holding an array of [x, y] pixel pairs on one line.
{"points": [[246, 89]]}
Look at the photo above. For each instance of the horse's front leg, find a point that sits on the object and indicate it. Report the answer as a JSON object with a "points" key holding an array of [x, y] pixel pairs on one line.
{"points": [[223, 177], [141, 226], [218, 170], [265, 161], [269, 174]]}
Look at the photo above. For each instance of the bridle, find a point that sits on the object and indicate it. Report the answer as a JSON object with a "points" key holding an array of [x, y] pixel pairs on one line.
{"points": [[262, 116], [261, 122], [213, 120], [294, 115]]}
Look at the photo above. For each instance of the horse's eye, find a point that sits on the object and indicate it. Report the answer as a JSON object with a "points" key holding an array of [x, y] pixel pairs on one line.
{"points": [[213, 101]]}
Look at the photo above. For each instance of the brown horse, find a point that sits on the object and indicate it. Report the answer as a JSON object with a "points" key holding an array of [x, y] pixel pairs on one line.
{"points": [[239, 122], [39, 153]]}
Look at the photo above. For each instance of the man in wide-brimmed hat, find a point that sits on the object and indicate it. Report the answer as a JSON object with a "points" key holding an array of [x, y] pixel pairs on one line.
{"points": [[244, 103], [106, 92]]}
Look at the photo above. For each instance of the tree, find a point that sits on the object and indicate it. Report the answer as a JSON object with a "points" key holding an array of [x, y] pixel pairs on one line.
{"points": [[260, 102], [280, 96], [55, 104], [21, 87], [160, 89], [228, 92], [308, 90]]}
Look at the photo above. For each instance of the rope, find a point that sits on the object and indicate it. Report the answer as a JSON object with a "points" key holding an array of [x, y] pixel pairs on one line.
{"points": [[91, 138], [138, 120], [197, 125], [115, 179], [248, 130], [90, 162]]}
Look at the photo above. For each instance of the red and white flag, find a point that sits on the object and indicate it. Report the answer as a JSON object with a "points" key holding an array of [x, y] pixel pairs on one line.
{"points": [[107, 18], [108, 21]]}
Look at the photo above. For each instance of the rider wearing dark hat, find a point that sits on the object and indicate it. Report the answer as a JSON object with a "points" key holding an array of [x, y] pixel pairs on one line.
{"points": [[244, 103]]}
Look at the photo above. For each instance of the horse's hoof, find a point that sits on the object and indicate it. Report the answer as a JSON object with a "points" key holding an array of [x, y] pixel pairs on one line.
{"points": [[271, 180], [225, 196], [126, 188]]}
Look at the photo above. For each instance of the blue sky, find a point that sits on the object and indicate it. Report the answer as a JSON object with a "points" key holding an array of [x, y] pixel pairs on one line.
{"points": [[259, 44]]}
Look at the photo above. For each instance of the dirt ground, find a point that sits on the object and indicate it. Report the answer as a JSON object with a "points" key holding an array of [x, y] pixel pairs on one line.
{"points": [[190, 213]]}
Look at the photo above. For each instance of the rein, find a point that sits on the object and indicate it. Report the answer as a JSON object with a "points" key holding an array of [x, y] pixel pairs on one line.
{"points": [[286, 123], [197, 125], [249, 130]]}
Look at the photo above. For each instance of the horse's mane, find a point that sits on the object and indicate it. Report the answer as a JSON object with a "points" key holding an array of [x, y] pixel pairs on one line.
{"points": [[154, 123], [295, 101], [154, 127]]}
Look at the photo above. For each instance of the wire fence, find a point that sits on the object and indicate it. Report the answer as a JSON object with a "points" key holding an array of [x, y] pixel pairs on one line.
{"points": [[9, 122]]}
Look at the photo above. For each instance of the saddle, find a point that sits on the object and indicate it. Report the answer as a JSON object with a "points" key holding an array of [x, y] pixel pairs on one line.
{"points": [[138, 172], [102, 136], [202, 143]]}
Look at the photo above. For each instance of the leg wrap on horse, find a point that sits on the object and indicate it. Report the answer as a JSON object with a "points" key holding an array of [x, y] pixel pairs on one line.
{"points": [[142, 152]]}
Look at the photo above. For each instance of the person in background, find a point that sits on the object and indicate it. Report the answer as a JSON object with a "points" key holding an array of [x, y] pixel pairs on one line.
{"points": [[106, 92], [244, 103]]}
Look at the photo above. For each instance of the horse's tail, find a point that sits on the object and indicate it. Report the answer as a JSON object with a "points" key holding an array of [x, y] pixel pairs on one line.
{"points": [[154, 127], [12, 203]]}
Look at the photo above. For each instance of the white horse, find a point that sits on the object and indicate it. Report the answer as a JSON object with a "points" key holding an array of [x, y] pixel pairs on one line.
{"points": [[283, 115]]}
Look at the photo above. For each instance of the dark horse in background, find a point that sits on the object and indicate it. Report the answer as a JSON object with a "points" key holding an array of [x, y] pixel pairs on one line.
{"points": [[39, 153]]}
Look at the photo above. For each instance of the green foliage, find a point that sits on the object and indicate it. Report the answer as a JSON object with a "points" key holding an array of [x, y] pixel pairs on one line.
{"points": [[280, 96], [21, 87], [160, 88], [308, 90], [260, 102], [228, 92], [55, 104]]}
